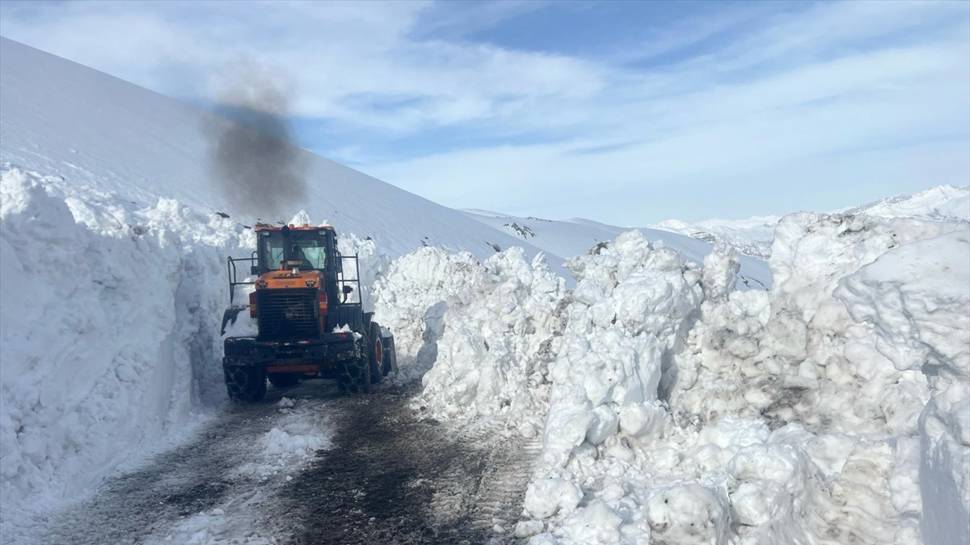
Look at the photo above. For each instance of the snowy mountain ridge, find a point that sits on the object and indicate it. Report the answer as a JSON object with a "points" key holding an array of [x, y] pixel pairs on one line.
{"points": [[940, 203], [753, 236], [577, 236]]}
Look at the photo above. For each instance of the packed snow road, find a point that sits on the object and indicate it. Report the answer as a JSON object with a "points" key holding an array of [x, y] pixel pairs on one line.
{"points": [[311, 466]]}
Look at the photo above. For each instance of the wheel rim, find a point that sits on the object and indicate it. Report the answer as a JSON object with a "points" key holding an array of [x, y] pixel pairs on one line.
{"points": [[378, 352]]}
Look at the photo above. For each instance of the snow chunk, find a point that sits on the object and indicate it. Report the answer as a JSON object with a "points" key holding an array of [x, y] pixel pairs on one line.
{"points": [[290, 445], [300, 219], [547, 497], [688, 514]]}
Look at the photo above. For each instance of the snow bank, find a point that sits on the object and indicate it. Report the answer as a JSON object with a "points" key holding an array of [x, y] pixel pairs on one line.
{"points": [[796, 352], [411, 299], [632, 304], [110, 331], [922, 323], [490, 329], [370, 260], [493, 351], [676, 409], [808, 359]]}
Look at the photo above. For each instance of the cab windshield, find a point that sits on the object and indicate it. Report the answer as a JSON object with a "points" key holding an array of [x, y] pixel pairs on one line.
{"points": [[309, 248]]}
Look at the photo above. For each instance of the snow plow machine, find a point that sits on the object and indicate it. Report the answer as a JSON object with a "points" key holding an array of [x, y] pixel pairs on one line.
{"points": [[308, 315]]}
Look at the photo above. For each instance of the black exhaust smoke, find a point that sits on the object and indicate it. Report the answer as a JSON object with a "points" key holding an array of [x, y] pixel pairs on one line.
{"points": [[253, 159]]}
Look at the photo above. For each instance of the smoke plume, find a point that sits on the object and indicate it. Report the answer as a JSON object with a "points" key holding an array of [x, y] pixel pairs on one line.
{"points": [[253, 159]]}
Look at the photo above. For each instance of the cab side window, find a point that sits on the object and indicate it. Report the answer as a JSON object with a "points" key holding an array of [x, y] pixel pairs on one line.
{"points": [[271, 250]]}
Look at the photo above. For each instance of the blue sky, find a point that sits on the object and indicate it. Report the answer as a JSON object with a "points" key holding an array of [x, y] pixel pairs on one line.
{"points": [[626, 112]]}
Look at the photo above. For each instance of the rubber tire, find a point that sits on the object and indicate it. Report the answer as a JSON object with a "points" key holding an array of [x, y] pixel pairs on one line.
{"points": [[353, 376], [283, 380], [375, 353], [390, 356], [245, 384]]}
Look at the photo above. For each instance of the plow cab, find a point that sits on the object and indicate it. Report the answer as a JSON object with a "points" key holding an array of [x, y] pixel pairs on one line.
{"points": [[305, 300]]}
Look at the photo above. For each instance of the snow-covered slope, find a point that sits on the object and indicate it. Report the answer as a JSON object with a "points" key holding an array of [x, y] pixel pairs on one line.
{"points": [[753, 236], [940, 203], [567, 238], [750, 236], [60, 118]]}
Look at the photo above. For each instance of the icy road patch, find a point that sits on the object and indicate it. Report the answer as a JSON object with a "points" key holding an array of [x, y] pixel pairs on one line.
{"points": [[291, 443], [220, 487], [276, 458]]}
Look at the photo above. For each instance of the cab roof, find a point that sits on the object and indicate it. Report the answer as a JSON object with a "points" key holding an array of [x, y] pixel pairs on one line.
{"points": [[291, 227]]}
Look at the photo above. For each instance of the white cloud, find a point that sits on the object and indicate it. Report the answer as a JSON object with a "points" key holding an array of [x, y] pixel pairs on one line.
{"points": [[805, 117]]}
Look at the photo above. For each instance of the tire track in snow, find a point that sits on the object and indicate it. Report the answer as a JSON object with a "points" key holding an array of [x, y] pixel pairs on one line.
{"points": [[507, 463], [501, 489]]}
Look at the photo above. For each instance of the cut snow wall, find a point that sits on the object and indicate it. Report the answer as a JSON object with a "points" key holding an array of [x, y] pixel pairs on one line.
{"points": [[494, 349], [411, 299], [110, 331], [916, 298], [679, 410]]}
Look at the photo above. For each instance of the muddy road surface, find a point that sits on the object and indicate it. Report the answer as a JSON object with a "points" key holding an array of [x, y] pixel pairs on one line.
{"points": [[315, 468]]}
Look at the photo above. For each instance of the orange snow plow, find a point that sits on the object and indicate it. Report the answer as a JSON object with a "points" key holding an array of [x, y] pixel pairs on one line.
{"points": [[309, 316]]}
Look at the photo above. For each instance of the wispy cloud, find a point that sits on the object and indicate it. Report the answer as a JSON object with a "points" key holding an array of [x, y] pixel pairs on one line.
{"points": [[688, 111], [335, 52]]}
